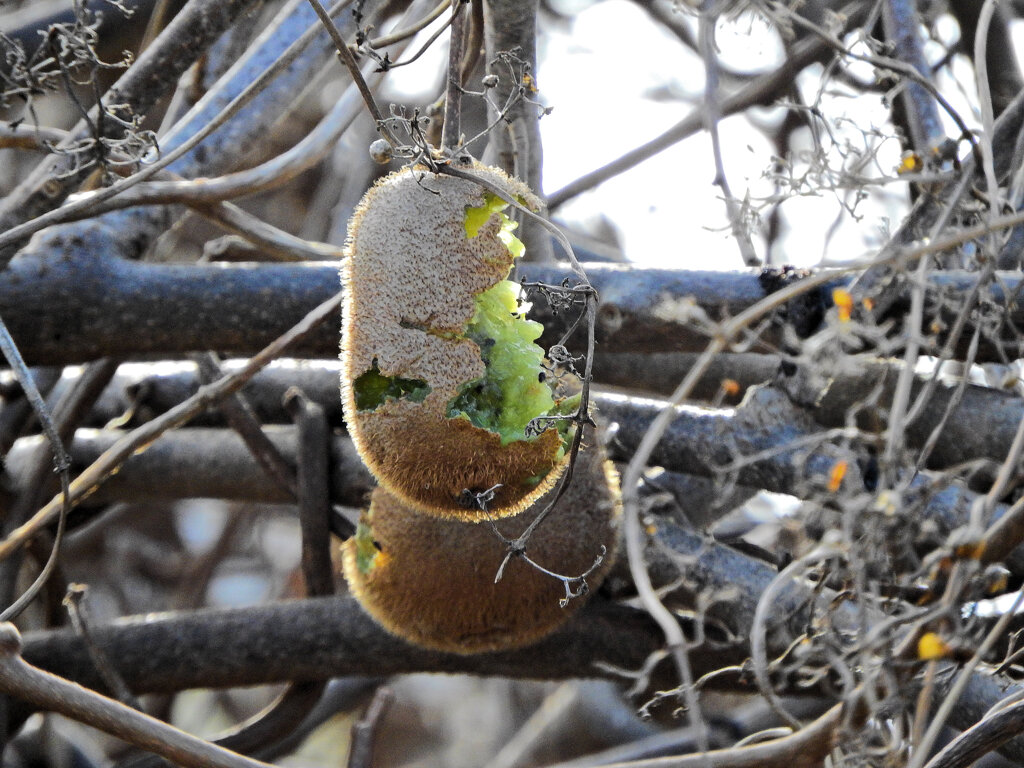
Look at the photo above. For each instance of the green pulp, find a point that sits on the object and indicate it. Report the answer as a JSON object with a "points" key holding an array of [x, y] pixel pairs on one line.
{"points": [[510, 394], [366, 550], [477, 217], [372, 388], [512, 391]]}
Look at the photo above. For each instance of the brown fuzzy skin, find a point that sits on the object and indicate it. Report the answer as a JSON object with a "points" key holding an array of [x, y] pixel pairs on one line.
{"points": [[433, 580], [411, 278]]}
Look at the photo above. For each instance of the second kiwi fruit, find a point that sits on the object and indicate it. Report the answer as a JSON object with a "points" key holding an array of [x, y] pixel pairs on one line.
{"points": [[431, 581]]}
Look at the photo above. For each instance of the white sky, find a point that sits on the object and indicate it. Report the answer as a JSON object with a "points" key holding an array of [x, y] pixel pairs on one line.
{"points": [[616, 79], [667, 209]]}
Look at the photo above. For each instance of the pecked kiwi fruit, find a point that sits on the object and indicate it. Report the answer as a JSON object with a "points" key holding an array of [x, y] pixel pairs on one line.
{"points": [[440, 373], [431, 581]]}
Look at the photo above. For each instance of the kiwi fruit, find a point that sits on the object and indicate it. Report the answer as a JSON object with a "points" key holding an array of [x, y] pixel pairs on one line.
{"points": [[440, 373], [431, 581]]}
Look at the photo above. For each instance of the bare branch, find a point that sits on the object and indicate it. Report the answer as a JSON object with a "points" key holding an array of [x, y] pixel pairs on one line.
{"points": [[109, 462], [980, 739], [157, 70], [901, 28], [316, 639], [188, 308], [52, 693], [226, 122], [451, 132]]}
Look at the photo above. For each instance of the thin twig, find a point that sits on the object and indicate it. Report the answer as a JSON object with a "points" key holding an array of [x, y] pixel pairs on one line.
{"points": [[387, 65], [952, 697], [37, 137], [191, 32], [900, 67], [271, 240], [895, 433], [17, 411], [985, 15], [708, 18], [807, 748], [74, 601], [406, 33], [451, 132], [49, 692], [71, 409], [519, 749], [62, 464], [761, 90], [364, 731], [759, 628], [631, 478], [240, 416], [312, 148], [985, 736], [73, 210], [275, 722], [353, 68]]}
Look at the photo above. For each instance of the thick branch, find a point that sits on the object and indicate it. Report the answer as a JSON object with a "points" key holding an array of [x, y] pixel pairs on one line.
{"points": [[792, 453], [86, 303], [316, 639], [329, 637], [201, 463], [982, 427], [320, 638], [901, 24], [78, 305]]}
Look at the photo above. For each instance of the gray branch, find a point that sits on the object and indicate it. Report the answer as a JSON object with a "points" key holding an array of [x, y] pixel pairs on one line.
{"points": [[901, 24], [78, 304], [768, 443], [317, 639], [1005, 80], [200, 463]]}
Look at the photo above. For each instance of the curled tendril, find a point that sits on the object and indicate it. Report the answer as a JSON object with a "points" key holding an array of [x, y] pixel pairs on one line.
{"points": [[560, 298], [478, 499], [542, 423], [575, 586]]}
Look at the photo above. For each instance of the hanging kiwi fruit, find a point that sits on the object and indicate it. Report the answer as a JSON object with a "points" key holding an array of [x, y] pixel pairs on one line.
{"points": [[452, 408], [432, 581], [441, 377]]}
